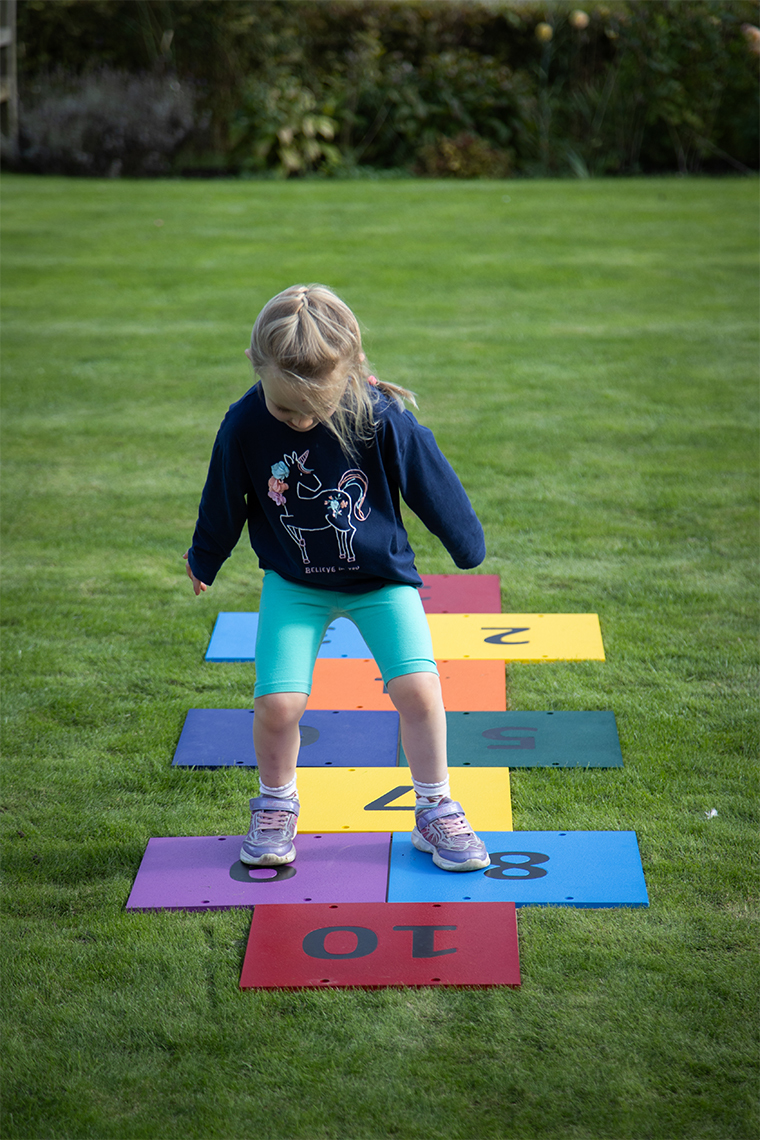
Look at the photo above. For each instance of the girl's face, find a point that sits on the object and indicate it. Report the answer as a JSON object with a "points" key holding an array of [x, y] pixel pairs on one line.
{"points": [[283, 403]]}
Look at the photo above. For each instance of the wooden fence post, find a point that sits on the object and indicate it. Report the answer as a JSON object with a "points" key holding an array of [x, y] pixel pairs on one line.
{"points": [[8, 81]]}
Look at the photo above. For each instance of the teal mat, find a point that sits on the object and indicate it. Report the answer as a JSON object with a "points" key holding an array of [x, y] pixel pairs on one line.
{"points": [[532, 740]]}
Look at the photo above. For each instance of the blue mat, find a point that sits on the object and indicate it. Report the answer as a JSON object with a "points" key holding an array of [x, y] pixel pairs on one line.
{"points": [[234, 639], [222, 738], [529, 868]]}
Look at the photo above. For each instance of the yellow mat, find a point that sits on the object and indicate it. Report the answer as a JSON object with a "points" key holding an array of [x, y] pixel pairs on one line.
{"points": [[382, 799], [517, 637]]}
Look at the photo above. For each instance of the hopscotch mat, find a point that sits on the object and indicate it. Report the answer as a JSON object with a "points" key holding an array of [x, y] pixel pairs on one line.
{"points": [[374, 945], [360, 906], [204, 872], [531, 740], [223, 738], [382, 799], [461, 593], [517, 637], [466, 636], [335, 738], [477, 685], [587, 869], [234, 638]]}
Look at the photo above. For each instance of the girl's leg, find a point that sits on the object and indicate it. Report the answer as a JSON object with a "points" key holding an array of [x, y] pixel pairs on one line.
{"points": [[291, 627], [417, 696], [440, 825], [396, 630], [274, 812], [292, 620], [276, 738]]}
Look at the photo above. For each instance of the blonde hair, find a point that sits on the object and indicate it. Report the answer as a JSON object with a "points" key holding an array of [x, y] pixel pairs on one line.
{"points": [[306, 336]]}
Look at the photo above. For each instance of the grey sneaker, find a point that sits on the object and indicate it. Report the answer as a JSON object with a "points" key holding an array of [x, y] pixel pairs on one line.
{"points": [[274, 823], [443, 831]]}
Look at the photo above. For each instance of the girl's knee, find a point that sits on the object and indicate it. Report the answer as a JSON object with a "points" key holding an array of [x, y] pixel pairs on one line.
{"points": [[416, 693], [275, 710]]}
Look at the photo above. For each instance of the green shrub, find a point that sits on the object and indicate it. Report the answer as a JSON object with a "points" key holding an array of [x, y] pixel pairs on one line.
{"points": [[407, 109], [674, 87], [281, 125], [466, 156]]}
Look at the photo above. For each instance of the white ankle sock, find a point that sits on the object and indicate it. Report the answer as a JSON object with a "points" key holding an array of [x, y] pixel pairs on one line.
{"points": [[284, 792], [428, 794]]}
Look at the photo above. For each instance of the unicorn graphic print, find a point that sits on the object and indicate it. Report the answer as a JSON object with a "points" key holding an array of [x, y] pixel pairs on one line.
{"points": [[314, 508]]}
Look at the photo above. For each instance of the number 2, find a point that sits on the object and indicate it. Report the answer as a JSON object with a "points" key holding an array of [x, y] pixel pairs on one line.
{"points": [[498, 638]]}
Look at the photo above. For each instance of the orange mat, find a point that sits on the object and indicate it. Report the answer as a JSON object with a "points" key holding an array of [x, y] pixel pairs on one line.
{"points": [[468, 686]]}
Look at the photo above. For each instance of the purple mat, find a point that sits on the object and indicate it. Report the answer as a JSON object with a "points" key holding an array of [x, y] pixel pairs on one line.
{"points": [[204, 873]]}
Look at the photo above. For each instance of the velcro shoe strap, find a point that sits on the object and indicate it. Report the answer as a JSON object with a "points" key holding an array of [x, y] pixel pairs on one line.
{"points": [[448, 807], [274, 803]]}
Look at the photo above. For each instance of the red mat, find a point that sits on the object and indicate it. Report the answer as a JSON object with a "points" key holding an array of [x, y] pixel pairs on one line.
{"points": [[375, 945]]}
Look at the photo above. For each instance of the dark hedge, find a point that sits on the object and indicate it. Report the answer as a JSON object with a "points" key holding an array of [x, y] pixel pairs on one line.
{"points": [[352, 87]]}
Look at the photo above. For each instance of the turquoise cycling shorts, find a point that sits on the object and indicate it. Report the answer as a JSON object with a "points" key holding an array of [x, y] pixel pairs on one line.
{"points": [[293, 620]]}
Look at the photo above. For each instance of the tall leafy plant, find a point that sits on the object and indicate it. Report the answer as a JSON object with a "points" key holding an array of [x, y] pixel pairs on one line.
{"points": [[282, 125]]}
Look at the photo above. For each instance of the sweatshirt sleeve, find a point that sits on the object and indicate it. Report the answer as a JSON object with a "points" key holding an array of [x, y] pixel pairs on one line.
{"points": [[224, 507], [431, 488]]}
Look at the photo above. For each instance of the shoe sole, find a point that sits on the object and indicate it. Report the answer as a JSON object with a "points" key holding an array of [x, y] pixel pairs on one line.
{"points": [[268, 859], [445, 864]]}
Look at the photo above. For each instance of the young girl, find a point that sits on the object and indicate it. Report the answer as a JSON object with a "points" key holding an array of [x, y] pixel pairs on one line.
{"points": [[315, 458]]}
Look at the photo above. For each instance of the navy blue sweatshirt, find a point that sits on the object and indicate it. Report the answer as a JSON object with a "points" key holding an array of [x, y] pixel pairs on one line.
{"points": [[320, 519]]}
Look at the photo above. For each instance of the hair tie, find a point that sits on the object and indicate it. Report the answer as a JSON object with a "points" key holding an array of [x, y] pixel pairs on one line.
{"points": [[372, 380]]}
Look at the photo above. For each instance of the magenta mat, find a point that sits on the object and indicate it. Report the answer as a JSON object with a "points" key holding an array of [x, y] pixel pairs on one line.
{"points": [[461, 593]]}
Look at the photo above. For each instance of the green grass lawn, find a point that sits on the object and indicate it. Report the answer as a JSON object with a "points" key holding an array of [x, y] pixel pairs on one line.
{"points": [[586, 353]]}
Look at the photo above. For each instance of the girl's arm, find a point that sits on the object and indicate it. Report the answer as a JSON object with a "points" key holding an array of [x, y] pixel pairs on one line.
{"points": [[430, 486], [223, 510]]}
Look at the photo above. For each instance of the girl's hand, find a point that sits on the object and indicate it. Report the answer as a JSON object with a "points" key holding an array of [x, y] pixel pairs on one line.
{"points": [[197, 584]]}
